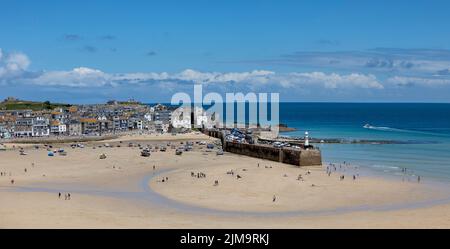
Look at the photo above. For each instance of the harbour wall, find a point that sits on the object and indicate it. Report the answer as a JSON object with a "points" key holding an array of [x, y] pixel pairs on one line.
{"points": [[298, 157]]}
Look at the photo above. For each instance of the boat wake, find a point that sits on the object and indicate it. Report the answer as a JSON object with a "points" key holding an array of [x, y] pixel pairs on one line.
{"points": [[384, 128], [390, 129]]}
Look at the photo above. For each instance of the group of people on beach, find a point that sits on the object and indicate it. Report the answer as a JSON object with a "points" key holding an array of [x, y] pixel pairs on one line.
{"points": [[332, 168], [342, 167], [231, 172], [66, 196], [4, 174], [198, 175], [405, 173]]}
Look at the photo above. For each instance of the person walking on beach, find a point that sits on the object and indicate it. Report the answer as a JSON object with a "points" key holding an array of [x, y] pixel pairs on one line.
{"points": [[12, 181], [418, 179], [274, 198], [59, 195], [68, 196]]}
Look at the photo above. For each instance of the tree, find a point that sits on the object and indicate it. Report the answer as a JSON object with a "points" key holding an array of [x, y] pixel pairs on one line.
{"points": [[47, 105]]}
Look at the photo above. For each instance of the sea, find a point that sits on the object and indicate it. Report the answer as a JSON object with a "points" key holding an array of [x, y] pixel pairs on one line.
{"points": [[421, 132]]}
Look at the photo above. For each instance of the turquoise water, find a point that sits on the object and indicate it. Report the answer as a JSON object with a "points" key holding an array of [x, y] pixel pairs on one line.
{"points": [[422, 129]]}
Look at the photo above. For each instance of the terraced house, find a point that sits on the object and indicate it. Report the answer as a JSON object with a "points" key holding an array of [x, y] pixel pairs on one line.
{"points": [[80, 120]]}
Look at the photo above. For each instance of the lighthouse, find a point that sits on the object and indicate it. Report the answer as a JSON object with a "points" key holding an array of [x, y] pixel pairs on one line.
{"points": [[306, 139]]}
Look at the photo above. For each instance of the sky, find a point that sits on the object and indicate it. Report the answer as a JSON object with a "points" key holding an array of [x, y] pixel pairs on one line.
{"points": [[321, 51]]}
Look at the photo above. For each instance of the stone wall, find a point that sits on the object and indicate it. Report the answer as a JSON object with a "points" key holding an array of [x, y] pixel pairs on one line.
{"points": [[310, 157], [285, 155]]}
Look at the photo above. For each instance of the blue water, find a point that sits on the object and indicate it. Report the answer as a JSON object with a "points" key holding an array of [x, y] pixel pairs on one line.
{"points": [[423, 129]]}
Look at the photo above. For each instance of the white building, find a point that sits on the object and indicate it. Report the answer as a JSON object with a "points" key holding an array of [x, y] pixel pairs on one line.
{"points": [[148, 116], [40, 127], [23, 127], [57, 128]]}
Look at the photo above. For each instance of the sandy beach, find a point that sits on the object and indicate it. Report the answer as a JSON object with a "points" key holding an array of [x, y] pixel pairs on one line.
{"points": [[126, 190]]}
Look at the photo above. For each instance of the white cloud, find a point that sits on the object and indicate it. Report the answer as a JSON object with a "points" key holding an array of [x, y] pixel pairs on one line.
{"points": [[87, 77], [140, 77], [256, 76], [410, 81], [78, 77], [14, 69], [413, 62], [17, 61], [333, 80], [12, 65]]}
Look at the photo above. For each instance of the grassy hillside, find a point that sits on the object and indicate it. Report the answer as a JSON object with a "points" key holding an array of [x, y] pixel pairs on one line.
{"points": [[29, 105]]}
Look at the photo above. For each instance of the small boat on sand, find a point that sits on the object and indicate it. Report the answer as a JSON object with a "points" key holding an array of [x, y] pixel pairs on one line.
{"points": [[145, 153]]}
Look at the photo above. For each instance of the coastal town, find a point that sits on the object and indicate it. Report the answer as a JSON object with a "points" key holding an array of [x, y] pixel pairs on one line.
{"points": [[36, 122], [113, 117]]}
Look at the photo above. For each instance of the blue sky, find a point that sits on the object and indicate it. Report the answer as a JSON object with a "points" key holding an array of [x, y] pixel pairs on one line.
{"points": [[352, 51]]}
